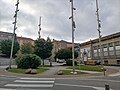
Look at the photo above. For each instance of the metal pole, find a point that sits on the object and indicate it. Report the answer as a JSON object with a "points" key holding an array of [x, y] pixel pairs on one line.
{"points": [[79, 55], [72, 20], [39, 27], [100, 36], [13, 39]]}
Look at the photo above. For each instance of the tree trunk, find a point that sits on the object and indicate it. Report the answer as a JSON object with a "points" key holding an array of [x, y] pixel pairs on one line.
{"points": [[43, 62], [50, 63]]}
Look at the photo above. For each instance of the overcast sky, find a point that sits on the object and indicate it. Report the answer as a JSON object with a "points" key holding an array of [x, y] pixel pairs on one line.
{"points": [[55, 18]]}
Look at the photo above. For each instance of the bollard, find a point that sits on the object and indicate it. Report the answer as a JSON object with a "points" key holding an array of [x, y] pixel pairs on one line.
{"points": [[104, 73], [107, 87]]}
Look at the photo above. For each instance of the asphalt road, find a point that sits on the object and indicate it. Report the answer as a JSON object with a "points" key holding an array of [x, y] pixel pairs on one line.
{"points": [[88, 83], [97, 83]]}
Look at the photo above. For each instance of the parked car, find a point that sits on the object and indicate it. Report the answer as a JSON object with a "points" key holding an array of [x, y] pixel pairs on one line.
{"points": [[60, 61]]}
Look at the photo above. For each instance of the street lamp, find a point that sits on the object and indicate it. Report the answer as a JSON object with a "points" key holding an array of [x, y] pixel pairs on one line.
{"points": [[73, 29]]}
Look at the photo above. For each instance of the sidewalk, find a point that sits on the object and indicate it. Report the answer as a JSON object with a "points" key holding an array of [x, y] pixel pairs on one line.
{"points": [[53, 70], [52, 73]]}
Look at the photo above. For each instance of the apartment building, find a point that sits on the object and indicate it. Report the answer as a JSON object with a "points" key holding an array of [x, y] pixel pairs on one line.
{"points": [[22, 40], [5, 35], [110, 49], [57, 45]]}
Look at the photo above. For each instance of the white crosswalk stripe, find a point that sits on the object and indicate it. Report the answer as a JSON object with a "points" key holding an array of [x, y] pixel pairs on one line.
{"points": [[30, 84]]}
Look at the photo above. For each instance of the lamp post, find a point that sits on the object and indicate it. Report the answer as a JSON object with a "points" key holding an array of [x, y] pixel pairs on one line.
{"points": [[13, 38], [73, 29]]}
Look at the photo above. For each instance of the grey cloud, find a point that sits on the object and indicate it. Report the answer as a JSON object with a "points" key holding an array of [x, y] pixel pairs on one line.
{"points": [[55, 22]]}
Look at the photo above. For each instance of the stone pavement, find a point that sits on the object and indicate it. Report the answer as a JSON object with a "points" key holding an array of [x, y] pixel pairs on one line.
{"points": [[53, 70]]}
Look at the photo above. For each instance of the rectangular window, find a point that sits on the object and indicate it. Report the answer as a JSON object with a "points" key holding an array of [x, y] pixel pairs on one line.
{"points": [[117, 43], [105, 49], [10, 37], [1, 35], [111, 51], [110, 44], [95, 51], [117, 48], [106, 62], [105, 53], [95, 55], [117, 52], [118, 61], [105, 45]]}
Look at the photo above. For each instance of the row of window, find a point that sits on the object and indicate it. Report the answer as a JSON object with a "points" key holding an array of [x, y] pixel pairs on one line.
{"points": [[117, 62], [111, 53], [108, 45], [8, 36]]}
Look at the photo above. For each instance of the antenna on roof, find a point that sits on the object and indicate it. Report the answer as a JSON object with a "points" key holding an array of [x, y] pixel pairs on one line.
{"points": [[39, 27]]}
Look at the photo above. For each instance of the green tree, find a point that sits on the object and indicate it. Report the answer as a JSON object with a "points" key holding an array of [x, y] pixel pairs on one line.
{"points": [[6, 47], [28, 61], [43, 48], [65, 54], [27, 48]]}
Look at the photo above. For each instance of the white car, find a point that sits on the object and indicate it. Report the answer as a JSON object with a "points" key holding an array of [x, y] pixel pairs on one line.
{"points": [[60, 60]]}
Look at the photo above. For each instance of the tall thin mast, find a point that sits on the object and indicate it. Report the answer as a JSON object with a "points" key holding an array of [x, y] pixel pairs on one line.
{"points": [[98, 28], [73, 29], [13, 39], [39, 27]]}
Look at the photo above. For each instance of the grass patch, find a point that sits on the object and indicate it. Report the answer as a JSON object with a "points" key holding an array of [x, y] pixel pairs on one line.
{"points": [[68, 72], [17, 70], [41, 70], [88, 68], [22, 71]]}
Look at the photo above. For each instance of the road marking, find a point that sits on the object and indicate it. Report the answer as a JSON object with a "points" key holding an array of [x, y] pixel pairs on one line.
{"points": [[102, 80], [20, 89], [39, 78], [30, 85], [116, 74], [98, 88], [116, 81], [24, 81], [6, 89]]}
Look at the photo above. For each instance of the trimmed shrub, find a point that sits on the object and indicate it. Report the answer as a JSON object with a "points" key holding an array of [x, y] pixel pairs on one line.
{"points": [[28, 61], [70, 63]]}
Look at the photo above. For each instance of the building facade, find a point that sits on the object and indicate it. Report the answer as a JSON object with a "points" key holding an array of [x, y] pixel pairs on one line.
{"points": [[5, 35], [110, 49], [57, 45], [24, 40]]}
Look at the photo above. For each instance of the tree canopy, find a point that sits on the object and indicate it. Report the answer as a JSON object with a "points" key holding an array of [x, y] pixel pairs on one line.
{"points": [[27, 48], [6, 47], [43, 48], [65, 54]]}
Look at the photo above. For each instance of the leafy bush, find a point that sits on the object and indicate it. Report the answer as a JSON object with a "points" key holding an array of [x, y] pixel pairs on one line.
{"points": [[70, 62], [28, 61]]}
